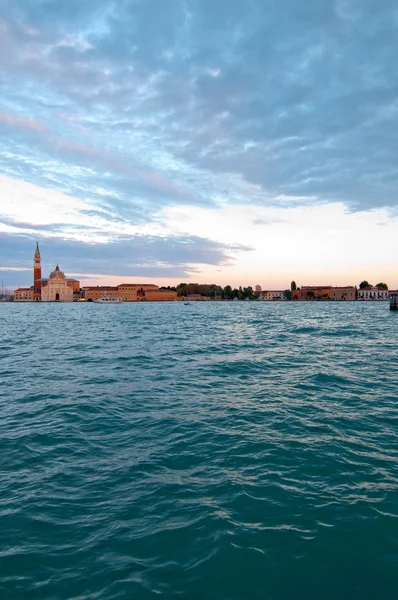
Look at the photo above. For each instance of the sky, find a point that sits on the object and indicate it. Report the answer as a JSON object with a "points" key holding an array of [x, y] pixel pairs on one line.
{"points": [[213, 141]]}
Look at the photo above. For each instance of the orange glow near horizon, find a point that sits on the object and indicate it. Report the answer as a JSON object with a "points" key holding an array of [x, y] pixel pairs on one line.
{"points": [[231, 277]]}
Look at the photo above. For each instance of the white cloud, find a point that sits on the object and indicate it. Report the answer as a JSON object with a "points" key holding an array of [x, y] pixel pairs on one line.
{"points": [[34, 207]]}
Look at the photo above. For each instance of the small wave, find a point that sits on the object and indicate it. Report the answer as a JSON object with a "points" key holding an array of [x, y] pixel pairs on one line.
{"points": [[243, 452]]}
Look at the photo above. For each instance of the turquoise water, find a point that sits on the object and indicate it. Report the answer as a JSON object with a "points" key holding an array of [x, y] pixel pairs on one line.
{"points": [[217, 450]]}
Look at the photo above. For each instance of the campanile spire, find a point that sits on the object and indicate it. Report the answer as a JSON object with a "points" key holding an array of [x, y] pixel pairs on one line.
{"points": [[37, 273]]}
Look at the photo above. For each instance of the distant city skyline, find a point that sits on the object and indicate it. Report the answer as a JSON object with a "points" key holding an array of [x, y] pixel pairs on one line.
{"points": [[213, 142]]}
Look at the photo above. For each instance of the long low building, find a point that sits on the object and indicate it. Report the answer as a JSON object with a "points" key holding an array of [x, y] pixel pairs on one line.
{"points": [[312, 292], [325, 292], [160, 295], [129, 292]]}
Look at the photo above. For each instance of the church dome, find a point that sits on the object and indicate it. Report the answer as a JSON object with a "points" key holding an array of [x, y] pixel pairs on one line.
{"points": [[57, 274]]}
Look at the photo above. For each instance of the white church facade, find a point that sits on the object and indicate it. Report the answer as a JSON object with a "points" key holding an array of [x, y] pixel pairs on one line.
{"points": [[56, 288]]}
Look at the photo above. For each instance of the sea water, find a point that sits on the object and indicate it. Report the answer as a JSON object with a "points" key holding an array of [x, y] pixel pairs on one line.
{"points": [[218, 450]]}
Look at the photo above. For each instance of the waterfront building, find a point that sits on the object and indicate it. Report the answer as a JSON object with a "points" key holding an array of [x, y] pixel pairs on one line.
{"points": [[161, 295], [128, 292], [93, 293], [325, 292], [372, 292], [56, 288], [274, 295], [313, 292], [24, 295], [344, 293]]}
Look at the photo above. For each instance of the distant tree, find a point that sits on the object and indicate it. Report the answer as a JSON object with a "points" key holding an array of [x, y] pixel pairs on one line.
{"points": [[193, 288], [204, 289], [240, 293], [182, 289], [293, 286], [382, 285], [216, 289], [8, 293], [227, 291], [364, 284], [235, 293], [288, 294], [247, 292], [310, 294]]}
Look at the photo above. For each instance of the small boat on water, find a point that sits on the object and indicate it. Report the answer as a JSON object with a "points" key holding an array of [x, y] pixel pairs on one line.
{"points": [[108, 300]]}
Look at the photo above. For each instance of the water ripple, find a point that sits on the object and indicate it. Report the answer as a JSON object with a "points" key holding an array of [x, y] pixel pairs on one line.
{"points": [[229, 451]]}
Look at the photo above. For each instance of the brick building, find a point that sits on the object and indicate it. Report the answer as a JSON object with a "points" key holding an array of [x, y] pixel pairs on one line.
{"points": [[160, 295], [344, 293], [325, 292], [93, 293], [313, 292], [128, 292]]}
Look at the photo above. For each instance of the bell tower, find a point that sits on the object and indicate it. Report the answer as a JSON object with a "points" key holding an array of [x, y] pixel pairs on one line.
{"points": [[37, 274]]}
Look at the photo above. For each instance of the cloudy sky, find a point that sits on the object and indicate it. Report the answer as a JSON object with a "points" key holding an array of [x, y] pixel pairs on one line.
{"points": [[221, 141]]}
